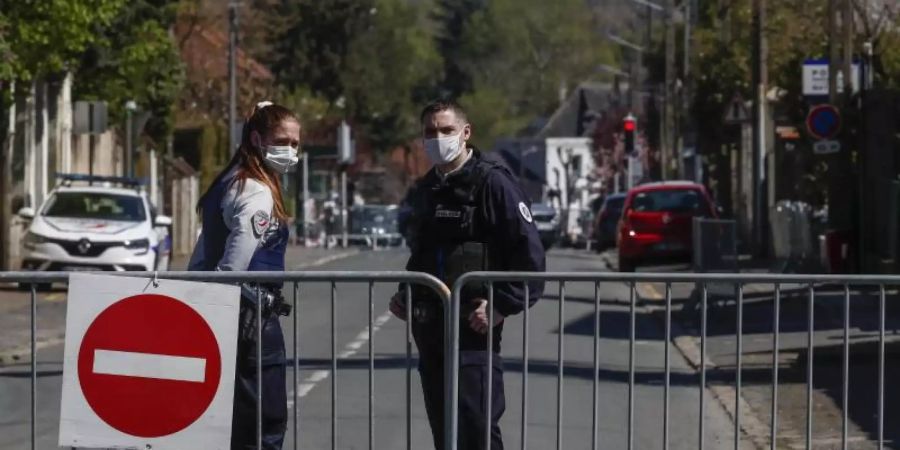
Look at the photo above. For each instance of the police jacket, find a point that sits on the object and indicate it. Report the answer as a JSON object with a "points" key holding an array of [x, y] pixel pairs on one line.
{"points": [[475, 218], [239, 232]]}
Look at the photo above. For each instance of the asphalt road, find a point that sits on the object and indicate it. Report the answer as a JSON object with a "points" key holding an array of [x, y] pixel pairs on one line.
{"points": [[315, 381]]}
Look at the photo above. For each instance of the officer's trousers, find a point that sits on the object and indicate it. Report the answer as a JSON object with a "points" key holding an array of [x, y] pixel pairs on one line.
{"points": [[274, 391], [473, 369]]}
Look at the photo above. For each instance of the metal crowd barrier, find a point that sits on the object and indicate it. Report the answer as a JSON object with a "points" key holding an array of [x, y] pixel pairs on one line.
{"points": [[295, 278], [739, 280]]}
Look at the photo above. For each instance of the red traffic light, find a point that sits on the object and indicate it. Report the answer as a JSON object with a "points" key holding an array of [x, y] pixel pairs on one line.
{"points": [[630, 123]]}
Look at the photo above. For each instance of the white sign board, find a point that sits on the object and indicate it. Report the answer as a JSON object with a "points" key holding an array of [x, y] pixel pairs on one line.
{"points": [[826, 147], [815, 78], [148, 366]]}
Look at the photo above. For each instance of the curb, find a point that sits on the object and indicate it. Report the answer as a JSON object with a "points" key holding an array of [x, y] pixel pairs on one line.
{"points": [[751, 425]]}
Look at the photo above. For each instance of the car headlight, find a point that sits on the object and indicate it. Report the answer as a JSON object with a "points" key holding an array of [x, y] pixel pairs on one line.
{"points": [[32, 239], [141, 245]]}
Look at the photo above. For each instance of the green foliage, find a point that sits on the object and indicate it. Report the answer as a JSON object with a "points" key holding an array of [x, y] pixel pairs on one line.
{"points": [[520, 53], [451, 16], [136, 60], [386, 65], [49, 36]]}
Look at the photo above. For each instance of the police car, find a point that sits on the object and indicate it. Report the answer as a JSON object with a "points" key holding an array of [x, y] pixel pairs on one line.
{"points": [[96, 223]]}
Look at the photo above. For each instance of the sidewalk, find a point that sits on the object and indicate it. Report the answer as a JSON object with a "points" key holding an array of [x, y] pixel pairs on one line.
{"points": [[793, 361], [15, 305]]}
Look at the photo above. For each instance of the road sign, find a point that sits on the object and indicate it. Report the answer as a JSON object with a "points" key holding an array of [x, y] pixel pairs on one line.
{"points": [[736, 111], [148, 367], [826, 147], [89, 118], [823, 121], [815, 78]]}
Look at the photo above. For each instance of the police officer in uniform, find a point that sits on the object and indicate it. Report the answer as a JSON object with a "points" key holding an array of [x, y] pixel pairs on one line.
{"points": [[245, 228], [466, 214]]}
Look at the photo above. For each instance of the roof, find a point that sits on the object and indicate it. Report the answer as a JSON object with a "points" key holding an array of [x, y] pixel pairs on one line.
{"points": [[101, 188], [659, 185], [588, 101]]}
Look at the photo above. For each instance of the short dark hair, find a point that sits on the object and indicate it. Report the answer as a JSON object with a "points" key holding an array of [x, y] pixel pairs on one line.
{"points": [[437, 106]]}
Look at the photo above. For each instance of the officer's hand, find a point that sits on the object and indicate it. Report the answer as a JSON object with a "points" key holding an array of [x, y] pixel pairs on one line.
{"points": [[398, 305], [478, 319]]}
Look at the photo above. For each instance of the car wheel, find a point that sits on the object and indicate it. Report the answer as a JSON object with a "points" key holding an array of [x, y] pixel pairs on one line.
{"points": [[626, 265]]}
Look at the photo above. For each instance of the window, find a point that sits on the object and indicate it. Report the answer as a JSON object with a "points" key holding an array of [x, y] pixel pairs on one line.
{"points": [[674, 201], [91, 205]]}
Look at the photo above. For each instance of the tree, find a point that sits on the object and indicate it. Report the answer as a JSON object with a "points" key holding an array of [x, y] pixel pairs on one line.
{"points": [[521, 54], [387, 64], [138, 60], [451, 17]]}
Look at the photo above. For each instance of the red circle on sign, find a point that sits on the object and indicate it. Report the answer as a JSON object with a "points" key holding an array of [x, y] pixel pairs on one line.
{"points": [[136, 387]]}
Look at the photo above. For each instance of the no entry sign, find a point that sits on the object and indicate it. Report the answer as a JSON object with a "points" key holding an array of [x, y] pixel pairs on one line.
{"points": [[148, 367]]}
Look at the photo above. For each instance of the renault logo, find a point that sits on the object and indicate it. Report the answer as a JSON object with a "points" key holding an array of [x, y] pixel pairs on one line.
{"points": [[84, 246]]}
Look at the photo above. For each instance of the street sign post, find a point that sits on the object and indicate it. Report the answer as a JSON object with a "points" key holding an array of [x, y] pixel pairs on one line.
{"points": [[815, 78], [823, 122], [736, 112], [826, 147], [148, 366]]}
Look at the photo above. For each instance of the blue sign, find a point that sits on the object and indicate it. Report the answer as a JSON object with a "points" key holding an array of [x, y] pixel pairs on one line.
{"points": [[823, 121]]}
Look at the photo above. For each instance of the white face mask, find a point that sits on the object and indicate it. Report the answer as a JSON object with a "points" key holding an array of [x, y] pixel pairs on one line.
{"points": [[443, 150], [281, 158]]}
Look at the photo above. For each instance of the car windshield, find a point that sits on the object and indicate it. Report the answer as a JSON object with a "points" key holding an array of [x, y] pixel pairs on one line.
{"points": [[379, 217], [94, 205], [675, 201]]}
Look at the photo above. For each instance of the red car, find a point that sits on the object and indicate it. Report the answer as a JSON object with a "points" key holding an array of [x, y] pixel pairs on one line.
{"points": [[657, 221]]}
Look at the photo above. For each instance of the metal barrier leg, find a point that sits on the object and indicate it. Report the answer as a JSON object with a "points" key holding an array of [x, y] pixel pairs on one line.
{"points": [[631, 332], [488, 398], [559, 364], [667, 362], [809, 369], [881, 333], [525, 370], [738, 367], [596, 375], [371, 365], [334, 380], [704, 299], [33, 368], [776, 330], [296, 367], [259, 358], [408, 366], [845, 404]]}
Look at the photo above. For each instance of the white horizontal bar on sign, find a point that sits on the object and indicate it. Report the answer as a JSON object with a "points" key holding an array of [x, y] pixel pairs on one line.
{"points": [[149, 365]]}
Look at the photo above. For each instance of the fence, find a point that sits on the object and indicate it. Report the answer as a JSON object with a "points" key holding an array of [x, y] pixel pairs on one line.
{"points": [[451, 300], [294, 278], [740, 281]]}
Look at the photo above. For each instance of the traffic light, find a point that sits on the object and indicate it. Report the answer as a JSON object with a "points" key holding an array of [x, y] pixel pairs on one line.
{"points": [[629, 127]]}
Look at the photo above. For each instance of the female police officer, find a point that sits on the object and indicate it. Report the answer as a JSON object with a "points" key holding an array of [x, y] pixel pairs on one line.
{"points": [[244, 228]]}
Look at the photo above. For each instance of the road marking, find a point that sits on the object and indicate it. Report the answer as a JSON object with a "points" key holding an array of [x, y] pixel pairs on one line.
{"points": [[307, 385], [649, 291], [148, 365]]}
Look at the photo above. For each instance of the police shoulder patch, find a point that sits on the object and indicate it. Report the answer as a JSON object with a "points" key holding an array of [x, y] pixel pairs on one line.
{"points": [[260, 222], [525, 212]]}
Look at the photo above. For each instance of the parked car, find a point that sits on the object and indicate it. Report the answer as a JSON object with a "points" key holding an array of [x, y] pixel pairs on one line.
{"points": [[370, 223], [657, 222], [107, 225], [607, 220], [547, 223]]}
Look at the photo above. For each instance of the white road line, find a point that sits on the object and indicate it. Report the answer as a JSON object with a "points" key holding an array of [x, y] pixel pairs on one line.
{"points": [[149, 365], [307, 385]]}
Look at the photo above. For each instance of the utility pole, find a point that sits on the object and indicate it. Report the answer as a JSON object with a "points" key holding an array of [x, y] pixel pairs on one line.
{"points": [[760, 81], [833, 54], [6, 157], [232, 73], [669, 135]]}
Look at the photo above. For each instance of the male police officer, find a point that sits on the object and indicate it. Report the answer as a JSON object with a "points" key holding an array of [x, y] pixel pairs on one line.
{"points": [[466, 214]]}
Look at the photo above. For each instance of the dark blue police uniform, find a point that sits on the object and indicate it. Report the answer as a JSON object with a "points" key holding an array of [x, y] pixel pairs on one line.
{"points": [[476, 218], [269, 256]]}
